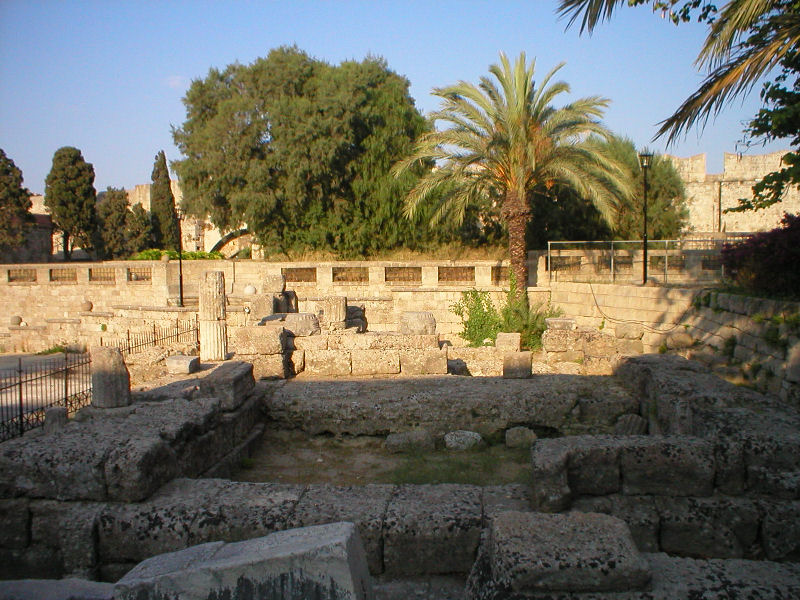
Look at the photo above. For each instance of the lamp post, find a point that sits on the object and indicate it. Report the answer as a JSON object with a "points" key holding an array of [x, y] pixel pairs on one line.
{"points": [[179, 215], [645, 158]]}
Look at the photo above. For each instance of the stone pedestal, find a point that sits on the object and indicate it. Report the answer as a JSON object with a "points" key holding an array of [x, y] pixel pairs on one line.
{"points": [[111, 382], [213, 330]]}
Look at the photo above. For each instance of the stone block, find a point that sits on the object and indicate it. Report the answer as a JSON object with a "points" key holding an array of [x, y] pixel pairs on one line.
{"points": [[432, 529], [262, 306], [273, 284], [550, 487], [593, 466], [111, 382], [629, 331], [717, 527], [301, 324], [55, 418], [257, 339], [56, 589], [562, 340], [508, 342], [71, 528], [375, 362], [517, 365], [598, 345], [178, 364], [478, 362], [678, 340], [314, 342], [560, 323], [630, 424], [315, 563], [531, 553], [463, 440], [14, 520], [328, 362], [268, 366], [417, 323], [520, 437], [498, 499], [630, 347], [335, 311], [780, 531], [424, 362], [363, 505], [639, 512], [668, 466], [416, 440], [231, 382]]}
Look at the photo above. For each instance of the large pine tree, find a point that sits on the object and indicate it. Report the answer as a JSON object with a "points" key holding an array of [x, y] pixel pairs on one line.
{"points": [[166, 229], [15, 205], [71, 197]]}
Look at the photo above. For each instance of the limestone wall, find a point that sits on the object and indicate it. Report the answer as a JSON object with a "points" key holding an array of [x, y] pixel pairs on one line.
{"points": [[709, 195]]}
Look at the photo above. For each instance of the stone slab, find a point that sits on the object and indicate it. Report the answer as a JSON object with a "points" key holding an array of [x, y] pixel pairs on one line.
{"points": [[257, 339], [231, 382], [424, 362], [55, 589], [573, 552], [508, 342], [517, 365], [669, 466], [363, 505], [328, 362], [179, 364], [375, 362], [315, 563], [417, 323], [431, 529]]}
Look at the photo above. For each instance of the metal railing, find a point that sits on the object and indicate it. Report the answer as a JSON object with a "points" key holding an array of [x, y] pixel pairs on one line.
{"points": [[132, 342], [685, 261], [35, 384]]}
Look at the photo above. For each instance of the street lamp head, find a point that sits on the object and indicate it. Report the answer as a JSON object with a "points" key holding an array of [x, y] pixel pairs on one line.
{"points": [[645, 159]]}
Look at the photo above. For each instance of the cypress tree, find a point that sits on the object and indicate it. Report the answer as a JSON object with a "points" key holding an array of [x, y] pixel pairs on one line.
{"points": [[166, 229], [112, 214], [15, 205], [70, 196]]}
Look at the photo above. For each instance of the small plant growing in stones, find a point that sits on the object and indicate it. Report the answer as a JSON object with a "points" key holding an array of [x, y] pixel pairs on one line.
{"points": [[662, 349]]}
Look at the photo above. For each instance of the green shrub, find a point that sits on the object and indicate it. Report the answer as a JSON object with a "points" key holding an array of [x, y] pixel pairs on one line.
{"points": [[479, 317], [155, 254], [53, 350], [482, 321]]}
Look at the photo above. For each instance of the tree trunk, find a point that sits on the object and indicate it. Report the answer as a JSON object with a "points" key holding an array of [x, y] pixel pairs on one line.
{"points": [[517, 214], [65, 240]]}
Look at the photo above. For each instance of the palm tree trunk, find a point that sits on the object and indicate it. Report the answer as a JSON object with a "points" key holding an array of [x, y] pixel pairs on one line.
{"points": [[517, 224]]}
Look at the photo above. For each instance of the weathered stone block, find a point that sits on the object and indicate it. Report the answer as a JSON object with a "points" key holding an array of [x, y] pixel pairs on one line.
{"points": [[56, 589], [520, 437], [328, 362], [273, 284], [55, 418], [257, 339], [301, 324], [335, 310], [630, 424], [598, 345], [629, 331], [231, 382], [508, 342], [639, 512], [14, 519], [432, 529], [549, 459], [416, 440], [364, 505], [314, 563], [668, 466], [560, 323], [561, 340], [573, 553], [679, 340], [479, 362], [463, 440], [268, 366], [178, 364], [780, 531], [417, 323], [424, 362], [517, 365], [626, 346], [111, 382], [375, 362]]}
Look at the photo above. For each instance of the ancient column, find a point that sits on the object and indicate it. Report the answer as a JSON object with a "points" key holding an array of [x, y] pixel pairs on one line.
{"points": [[111, 382], [213, 332], [336, 312]]}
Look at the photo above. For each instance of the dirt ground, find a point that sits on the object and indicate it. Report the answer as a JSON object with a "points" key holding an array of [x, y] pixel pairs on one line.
{"points": [[294, 457]]}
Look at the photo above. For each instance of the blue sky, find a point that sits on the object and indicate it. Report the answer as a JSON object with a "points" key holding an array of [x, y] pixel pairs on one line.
{"points": [[108, 77]]}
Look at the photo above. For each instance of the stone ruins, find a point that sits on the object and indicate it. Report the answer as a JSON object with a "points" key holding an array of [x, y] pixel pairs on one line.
{"points": [[650, 477]]}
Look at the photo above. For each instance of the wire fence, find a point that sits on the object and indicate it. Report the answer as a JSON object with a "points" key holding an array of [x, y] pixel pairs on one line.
{"points": [[686, 261], [34, 385], [132, 342]]}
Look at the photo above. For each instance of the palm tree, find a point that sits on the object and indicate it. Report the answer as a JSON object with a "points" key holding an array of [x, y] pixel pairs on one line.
{"points": [[502, 140], [746, 39]]}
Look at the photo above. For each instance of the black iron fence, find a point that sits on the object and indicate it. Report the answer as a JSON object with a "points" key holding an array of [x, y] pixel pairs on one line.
{"points": [[134, 341], [37, 383]]}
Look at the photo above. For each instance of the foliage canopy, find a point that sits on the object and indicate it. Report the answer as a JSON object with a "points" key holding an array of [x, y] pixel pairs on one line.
{"points": [[165, 228], [503, 139], [15, 205], [300, 152], [70, 196]]}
